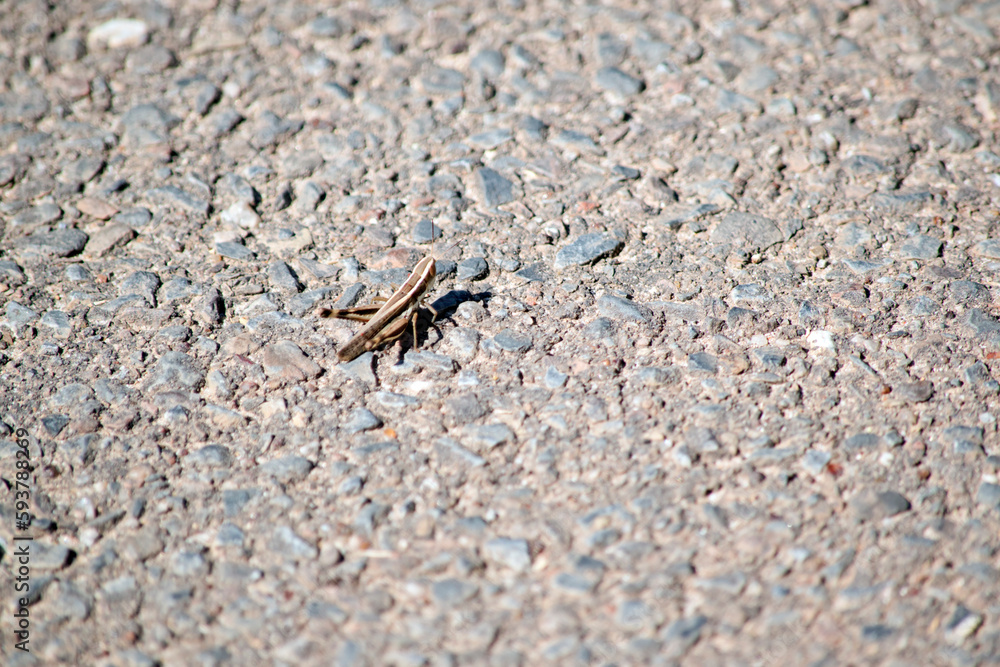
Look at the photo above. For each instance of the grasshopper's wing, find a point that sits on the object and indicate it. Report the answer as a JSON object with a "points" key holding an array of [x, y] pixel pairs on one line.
{"points": [[365, 340]]}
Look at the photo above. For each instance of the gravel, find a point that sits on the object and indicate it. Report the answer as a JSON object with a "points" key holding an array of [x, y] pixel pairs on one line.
{"points": [[713, 377]]}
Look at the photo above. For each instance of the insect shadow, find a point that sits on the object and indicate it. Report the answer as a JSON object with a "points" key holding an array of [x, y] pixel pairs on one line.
{"points": [[444, 306]]}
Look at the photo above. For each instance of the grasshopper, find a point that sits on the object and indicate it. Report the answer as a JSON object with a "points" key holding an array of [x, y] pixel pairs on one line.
{"points": [[387, 318]]}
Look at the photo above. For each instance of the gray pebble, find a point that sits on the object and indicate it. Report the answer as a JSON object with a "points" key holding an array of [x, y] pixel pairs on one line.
{"points": [[210, 456], [489, 62], [862, 441], [287, 469], [300, 304], [587, 249], [58, 322], [317, 269], [173, 196], [893, 503], [393, 401], [83, 170], [233, 250], [653, 376], [12, 275], [676, 220], [534, 273], [922, 306], [610, 50], [815, 460], [759, 78], [771, 358], [486, 437], [133, 217], [229, 535], [60, 243], [914, 392], [989, 248], [864, 165], [509, 552], [465, 408], [494, 188], [464, 341], [981, 323], [270, 129], [988, 495], [511, 341], [361, 369], [176, 368], [237, 188], [284, 359], [48, 558], [919, 247], [431, 361], [533, 128], [177, 288], [361, 419], [622, 309], [425, 231], [473, 268], [371, 516], [490, 139], [234, 500], [904, 109], [13, 168], [622, 173], [54, 424], [703, 362], [18, 315], [907, 202], [36, 216], [752, 294], [730, 102], [683, 633], [308, 195], [141, 283], [967, 290], [752, 233], [79, 451], [326, 611], [652, 51], [959, 138], [188, 564], [554, 379], [448, 448], [351, 486], [285, 542], [283, 278], [602, 328], [443, 81], [453, 592], [147, 123], [222, 122], [613, 80], [576, 141], [444, 267]]}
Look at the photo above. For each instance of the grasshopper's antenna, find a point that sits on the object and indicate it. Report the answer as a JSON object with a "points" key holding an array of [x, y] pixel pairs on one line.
{"points": [[434, 240]]}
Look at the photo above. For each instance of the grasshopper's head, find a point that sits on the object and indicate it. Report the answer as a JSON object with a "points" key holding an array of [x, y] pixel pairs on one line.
{"points": [[427, 270]]}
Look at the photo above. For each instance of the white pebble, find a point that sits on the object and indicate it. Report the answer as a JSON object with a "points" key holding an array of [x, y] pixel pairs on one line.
{"points": [[117, 33], [821, 339]]}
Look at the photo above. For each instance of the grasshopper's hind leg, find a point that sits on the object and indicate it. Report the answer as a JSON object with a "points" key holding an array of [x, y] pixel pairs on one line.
{"points": [[413, 319]]}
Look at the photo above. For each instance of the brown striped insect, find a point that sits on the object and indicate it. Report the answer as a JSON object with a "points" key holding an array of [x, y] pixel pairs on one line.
{"points": [[387, 318]]}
